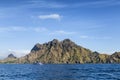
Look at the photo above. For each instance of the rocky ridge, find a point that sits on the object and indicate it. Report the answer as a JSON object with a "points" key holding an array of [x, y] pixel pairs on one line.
{"points": [[66, 51]]}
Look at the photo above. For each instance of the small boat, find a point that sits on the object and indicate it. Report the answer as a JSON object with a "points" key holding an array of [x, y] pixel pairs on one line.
{"points": [[38, 63]]}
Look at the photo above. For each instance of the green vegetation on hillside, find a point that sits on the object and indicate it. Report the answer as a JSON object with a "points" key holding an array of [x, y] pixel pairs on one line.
{"points": [[64, 51]]}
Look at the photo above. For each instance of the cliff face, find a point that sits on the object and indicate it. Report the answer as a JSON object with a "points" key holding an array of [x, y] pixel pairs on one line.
{"points": [[66, 51]]}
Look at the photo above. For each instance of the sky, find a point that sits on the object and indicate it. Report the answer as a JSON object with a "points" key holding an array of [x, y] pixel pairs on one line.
{"points": [[93, 24]]}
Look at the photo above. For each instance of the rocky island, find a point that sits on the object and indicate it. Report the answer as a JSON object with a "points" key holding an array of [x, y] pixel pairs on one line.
{"points": [[10, 59], [59, 52]]}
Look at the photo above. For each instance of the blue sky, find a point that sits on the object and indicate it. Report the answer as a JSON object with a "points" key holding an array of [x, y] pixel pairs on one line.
{"points": [[93, 24]]}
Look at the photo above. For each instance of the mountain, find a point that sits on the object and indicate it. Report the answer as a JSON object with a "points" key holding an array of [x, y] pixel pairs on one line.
{"points": [[115, 58], [66, 51], [11, 56], [10, 59], [56, 51]]}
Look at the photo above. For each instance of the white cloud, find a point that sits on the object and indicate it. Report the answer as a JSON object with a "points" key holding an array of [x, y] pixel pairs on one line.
{"points": [[42, 4], [54, 4], [18, 53], [40, 29], [8, 29], [36, 29], [50, 16], [90, 37], [61, 32], [17, 28], [96, 4], [104, 37], [84, 37], [21, 29]]}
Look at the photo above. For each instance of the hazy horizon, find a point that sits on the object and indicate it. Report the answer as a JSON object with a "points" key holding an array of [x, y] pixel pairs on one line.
{"points": [[93, 24]]}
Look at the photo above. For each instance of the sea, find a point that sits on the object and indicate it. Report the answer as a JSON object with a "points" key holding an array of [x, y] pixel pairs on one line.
{"points": [[60, 72]]}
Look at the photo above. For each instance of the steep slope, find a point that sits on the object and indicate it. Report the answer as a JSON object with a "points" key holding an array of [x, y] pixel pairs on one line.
{"points": [[56, 51], [115, 57], [64, 51]]}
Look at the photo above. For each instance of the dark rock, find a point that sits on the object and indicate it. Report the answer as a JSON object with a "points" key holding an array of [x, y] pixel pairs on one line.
{"points": [[11, 56], [37, 47]]}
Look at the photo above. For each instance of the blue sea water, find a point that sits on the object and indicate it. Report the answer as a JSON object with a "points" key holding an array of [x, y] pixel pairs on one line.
{"points": [[60, 72]]}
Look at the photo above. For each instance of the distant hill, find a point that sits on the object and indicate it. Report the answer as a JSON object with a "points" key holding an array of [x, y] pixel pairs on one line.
{"points": [[11, 56], [65, 51], [10, 59]]}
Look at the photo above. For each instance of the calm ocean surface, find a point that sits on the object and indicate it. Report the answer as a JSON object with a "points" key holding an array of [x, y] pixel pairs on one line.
{"points": [[60, 72]]}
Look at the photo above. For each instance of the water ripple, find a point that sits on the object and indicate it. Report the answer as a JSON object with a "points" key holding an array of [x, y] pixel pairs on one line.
{"points": [[60, 72]]}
